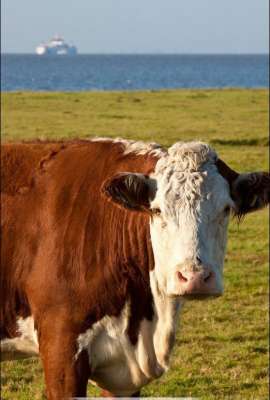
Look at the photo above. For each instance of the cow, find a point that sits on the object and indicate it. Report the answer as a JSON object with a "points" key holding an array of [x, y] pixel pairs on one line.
{"points": [[103, 241]]}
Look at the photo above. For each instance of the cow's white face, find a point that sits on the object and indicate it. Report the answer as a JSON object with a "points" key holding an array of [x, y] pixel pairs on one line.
{"points": [[189, 230]]}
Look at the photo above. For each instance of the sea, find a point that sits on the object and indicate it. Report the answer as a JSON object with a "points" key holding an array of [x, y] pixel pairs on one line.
{"points": [[132, 72]]}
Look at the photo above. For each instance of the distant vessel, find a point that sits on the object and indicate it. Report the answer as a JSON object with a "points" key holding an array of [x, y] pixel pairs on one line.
{"points": [[56, 46]]}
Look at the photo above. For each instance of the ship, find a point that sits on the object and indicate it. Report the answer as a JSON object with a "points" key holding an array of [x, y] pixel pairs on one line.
{"points": [[56, 46]]}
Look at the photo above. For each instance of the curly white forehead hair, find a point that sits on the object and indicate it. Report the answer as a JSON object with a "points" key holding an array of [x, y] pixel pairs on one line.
{"points": [[180, 174], [189, 156]]}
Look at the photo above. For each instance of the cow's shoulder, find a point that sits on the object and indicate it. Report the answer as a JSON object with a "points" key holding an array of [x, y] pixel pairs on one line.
{"points": [[20, 161]]}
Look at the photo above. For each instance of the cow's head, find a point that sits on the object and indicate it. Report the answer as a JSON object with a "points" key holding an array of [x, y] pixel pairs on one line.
{"points": [[190, 196]]}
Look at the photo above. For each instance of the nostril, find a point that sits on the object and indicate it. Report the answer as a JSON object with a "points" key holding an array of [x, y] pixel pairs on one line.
{"points": [[208, 276], [181, 277], [199, 260]]}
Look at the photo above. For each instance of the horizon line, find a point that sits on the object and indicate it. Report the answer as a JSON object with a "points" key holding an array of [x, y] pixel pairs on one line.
{"points": [[147, 53]]}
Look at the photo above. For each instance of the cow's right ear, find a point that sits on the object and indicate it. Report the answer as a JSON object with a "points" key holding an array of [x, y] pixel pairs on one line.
{"points": [[130, 190]]}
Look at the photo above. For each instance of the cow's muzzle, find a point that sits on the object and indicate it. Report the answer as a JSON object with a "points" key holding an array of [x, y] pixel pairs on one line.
{"points": [[198, 284]]}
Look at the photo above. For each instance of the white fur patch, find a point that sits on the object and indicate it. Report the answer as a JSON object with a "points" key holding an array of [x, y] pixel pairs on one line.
{"points": [[116, 364], [23, 346], [111, 355]]}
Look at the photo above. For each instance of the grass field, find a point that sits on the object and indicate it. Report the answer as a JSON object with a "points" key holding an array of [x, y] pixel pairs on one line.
{"points": [[222, 345]]}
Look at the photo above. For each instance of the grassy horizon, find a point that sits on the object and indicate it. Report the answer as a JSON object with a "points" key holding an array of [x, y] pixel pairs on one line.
{"points": [[222, 345]]}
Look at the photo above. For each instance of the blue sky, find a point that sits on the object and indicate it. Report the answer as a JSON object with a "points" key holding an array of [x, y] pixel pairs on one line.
{"points": [[138, 26]]}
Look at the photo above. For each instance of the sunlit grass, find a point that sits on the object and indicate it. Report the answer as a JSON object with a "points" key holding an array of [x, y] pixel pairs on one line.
{"points": [[222, 345]]}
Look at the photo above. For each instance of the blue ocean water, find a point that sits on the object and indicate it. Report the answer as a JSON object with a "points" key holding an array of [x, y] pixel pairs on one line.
{"points": [[132, 72]]}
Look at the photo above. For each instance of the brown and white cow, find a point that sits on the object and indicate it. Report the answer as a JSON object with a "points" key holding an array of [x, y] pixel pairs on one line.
{"points": [[102, 242]]}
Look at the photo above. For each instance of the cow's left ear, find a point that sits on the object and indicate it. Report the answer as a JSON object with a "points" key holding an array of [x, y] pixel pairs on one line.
{"points": [[130, 190], [251, 192]]}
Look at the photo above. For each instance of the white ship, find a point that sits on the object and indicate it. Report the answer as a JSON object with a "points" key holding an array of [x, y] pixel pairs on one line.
{"points": [[56, 46]]}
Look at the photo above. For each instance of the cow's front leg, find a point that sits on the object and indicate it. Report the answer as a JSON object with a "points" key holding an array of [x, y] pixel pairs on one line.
{"points": [[66, 374]]}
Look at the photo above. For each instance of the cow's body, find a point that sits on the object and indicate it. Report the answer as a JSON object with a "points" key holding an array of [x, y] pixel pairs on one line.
{"points": [[78, 282]]}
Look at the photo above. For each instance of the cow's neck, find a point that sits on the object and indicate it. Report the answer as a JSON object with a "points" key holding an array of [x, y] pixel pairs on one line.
{"points": [[167, 311], [157, 330]]}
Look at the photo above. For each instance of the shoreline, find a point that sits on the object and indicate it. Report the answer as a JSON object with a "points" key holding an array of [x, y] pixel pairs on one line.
{"points": [[126, 91]]}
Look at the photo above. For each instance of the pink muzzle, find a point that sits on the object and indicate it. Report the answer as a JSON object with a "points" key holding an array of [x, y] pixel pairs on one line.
{"points": [[198, 282]]}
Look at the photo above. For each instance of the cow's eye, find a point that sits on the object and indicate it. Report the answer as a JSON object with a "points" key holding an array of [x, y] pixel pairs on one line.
{"points": [[227, 210], [156, 211]]}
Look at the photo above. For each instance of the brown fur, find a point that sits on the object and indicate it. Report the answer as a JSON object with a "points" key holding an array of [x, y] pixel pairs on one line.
{"points": [[70, 256]]}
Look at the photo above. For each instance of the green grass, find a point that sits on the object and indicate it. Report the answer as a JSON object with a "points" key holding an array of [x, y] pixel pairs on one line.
{"points": [[222, 345]]}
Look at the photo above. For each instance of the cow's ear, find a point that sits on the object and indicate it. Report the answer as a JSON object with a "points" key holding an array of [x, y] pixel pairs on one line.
{"points": [[251, 192], [130, 190]]}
